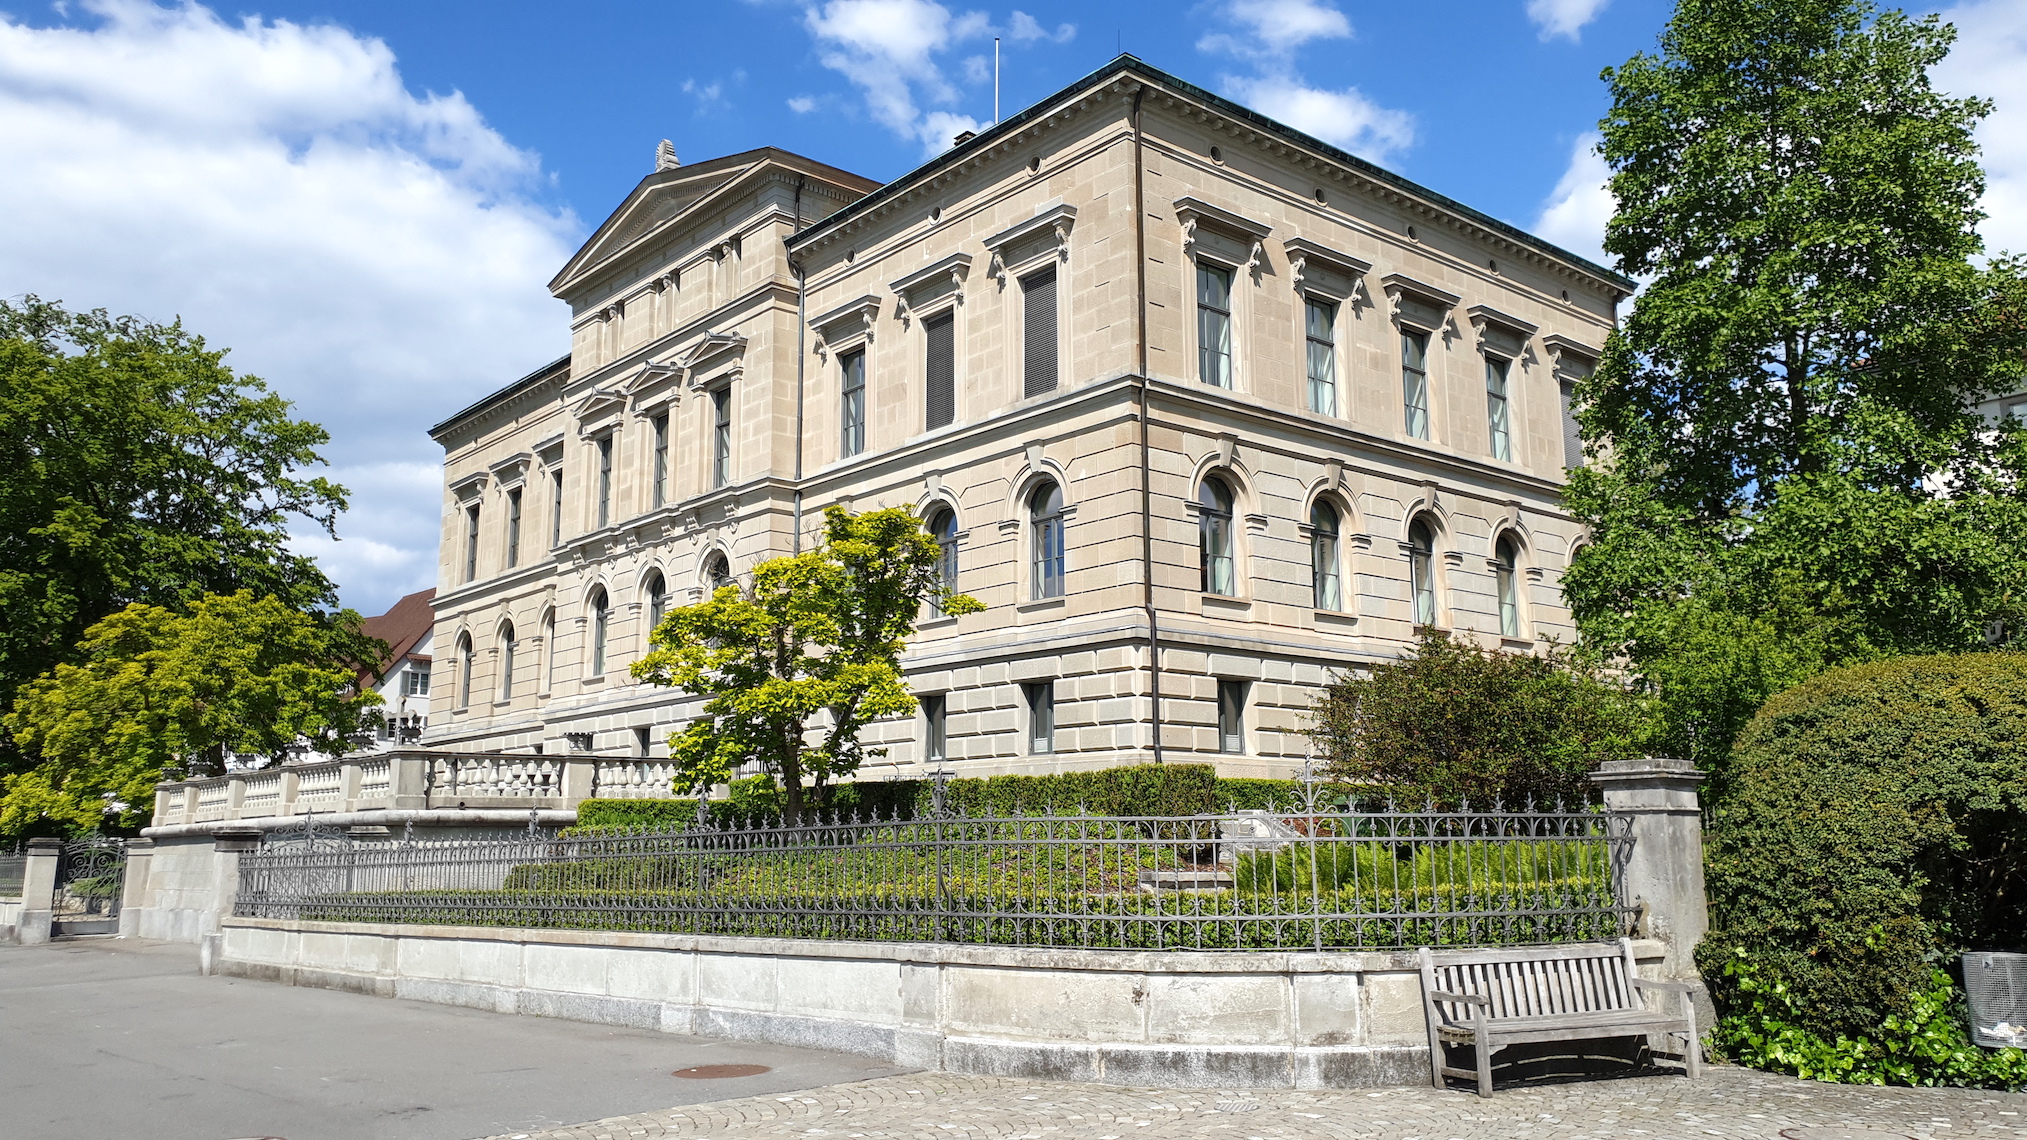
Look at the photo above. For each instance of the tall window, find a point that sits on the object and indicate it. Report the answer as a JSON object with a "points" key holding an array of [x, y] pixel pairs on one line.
{"points": [[600, 614], [721, 436], [641, 740], [556, 508], [1415, 381], [1214, 532], [1214, 324], [513, 528], [1231, 716], [549, 649], [943, 527], [604, 480], [1323, 557], [471, 542], [934, 734], [1422, 571], [1038, 344], [1041, 697], [1320, 326], [1497, 415], [1045, 525], [658, 600], [1572, 434], [717, 573], [939, 373], [852, 415], [661, 459], [507, 646], [1505, 567], [464, 670]]}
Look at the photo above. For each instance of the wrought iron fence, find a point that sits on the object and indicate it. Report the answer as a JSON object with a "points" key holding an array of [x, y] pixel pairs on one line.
{"points": [[1311, 878], [13, 867]]}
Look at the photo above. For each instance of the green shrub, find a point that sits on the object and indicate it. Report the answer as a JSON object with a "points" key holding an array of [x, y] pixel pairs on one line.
{"points": [[1870, 822], [635, 815], [1765, 1027], [1255, 795]]}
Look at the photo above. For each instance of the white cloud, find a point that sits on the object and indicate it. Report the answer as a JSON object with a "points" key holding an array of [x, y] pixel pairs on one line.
{"points": [[1577, 209], [1277, 27], [1024, 28], [1990, 59], [1563, 17], [373, 253], [802, 104], [1344, 118]]}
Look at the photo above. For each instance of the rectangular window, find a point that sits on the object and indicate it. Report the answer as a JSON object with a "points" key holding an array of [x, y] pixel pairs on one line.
{"points": [[661, 459], [939, 374], [641, 737], [1320, 321], [1231, 716], [1572, 436], [604, 480], [415, 682], [1038, 346], [1415, 381], [721, 436], [513, 528], [934, 735], [1497, 414], [471, 542], [556, 508], [852, 415], [1214, 324], [1041, 717]]}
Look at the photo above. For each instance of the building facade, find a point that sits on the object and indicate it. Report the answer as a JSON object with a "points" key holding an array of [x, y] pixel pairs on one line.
{"points": [[1202, 409]]}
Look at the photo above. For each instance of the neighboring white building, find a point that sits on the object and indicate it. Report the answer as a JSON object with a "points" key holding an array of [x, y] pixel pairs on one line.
{"points": [[1203, 410], [404, 683]]}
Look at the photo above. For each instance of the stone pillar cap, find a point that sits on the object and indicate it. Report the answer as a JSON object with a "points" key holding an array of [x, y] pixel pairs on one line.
{"points": [[1647, 768], [235, 839], [44, 842]]}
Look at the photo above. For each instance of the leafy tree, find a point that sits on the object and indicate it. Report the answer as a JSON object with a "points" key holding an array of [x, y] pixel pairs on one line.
{"points": [[140, 469], [163, 695], [1453, 721], [1787, 472], [795, 667]]}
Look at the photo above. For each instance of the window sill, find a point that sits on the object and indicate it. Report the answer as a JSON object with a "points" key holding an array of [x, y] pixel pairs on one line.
{"points": [[1516, 642], [1335, 617], [1054, 603], [1226, 603], [594, 679], [948, 621]]}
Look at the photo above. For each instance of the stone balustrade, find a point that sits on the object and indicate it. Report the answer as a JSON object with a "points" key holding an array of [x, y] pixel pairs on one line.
{"points": [[411, 780]]}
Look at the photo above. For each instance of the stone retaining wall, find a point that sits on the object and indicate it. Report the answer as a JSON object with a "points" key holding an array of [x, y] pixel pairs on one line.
{"points": [[1265, 1020]]}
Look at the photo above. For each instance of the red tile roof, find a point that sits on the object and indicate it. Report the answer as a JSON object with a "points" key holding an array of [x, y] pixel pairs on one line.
{"points": [[401, 627]]}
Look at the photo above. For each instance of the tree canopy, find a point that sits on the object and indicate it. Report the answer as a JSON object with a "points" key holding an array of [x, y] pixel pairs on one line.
{"points": [[1787, 470], [140, 469], [794, 666], [164, 695]]}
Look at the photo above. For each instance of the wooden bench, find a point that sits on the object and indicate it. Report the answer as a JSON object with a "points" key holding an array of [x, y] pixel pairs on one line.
{"points": [[1493, 998]]}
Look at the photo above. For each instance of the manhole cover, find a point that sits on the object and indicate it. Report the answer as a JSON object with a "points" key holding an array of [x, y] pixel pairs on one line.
{"points": [[719, 1072], [1237, 1106], [1835, 1133]]}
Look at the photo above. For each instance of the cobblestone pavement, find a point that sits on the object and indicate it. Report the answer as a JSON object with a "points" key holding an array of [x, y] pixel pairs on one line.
{"points": [[1738, 1104]]}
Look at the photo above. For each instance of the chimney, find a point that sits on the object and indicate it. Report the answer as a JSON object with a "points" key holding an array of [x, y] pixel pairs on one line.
{"points": [[963, 137]]}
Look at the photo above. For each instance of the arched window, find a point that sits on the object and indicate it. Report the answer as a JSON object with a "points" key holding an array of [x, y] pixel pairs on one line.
{"points": [[1045, 512], [1506, 565], [1214, 529], [717, 573], [549, 648], [658, 600], [1323, 557], [600, 612], [464, 670], [943, 528], [507, 646], [1422, 570]]}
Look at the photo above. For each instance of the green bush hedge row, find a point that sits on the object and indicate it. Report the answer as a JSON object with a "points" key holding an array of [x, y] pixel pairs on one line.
{"points": [[1141, 789]]}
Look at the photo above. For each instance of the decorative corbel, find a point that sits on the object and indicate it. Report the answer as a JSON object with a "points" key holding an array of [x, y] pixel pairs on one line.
{"points": [[1063, 239]]}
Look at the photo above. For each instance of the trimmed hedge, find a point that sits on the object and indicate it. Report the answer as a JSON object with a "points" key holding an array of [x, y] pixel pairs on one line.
{"points": [[1871, 823]]}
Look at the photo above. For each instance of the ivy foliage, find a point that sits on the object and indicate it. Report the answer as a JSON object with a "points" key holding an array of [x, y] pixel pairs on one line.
{"points": [[1872, 822], [166, 695], [1787, 471], [1452, 721], [811, 648]]}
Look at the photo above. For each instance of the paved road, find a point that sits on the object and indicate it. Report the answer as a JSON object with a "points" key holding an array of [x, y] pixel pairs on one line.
{"points": [[117, 1040], [1735, 1104]]}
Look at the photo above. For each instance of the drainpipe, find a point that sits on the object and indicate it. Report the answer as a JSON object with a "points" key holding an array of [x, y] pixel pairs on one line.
{"points": [[801, 300], [1146, 493]]}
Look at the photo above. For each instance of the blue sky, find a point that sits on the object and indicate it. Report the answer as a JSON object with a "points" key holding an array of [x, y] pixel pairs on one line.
{"points": [[364, 200]]}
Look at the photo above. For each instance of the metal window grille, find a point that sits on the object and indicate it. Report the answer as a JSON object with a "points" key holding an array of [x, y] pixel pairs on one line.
{"points": [[1320, 318], [1038, 347], [1214, 324], [1319, 874], [853, 412], [513, 528], [721, 436], [940, 369], [1497, 413], [1415, 382]]}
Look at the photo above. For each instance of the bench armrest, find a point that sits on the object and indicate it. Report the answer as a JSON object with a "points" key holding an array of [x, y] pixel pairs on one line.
{"points": [[1474, 999], [1675, 987]]}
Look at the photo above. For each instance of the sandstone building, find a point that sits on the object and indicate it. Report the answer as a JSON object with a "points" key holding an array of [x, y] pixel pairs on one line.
{"points": [[1201, 408]]}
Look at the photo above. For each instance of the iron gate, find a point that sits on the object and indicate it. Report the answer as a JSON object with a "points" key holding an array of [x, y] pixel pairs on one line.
{"points": [[90, 873]]}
